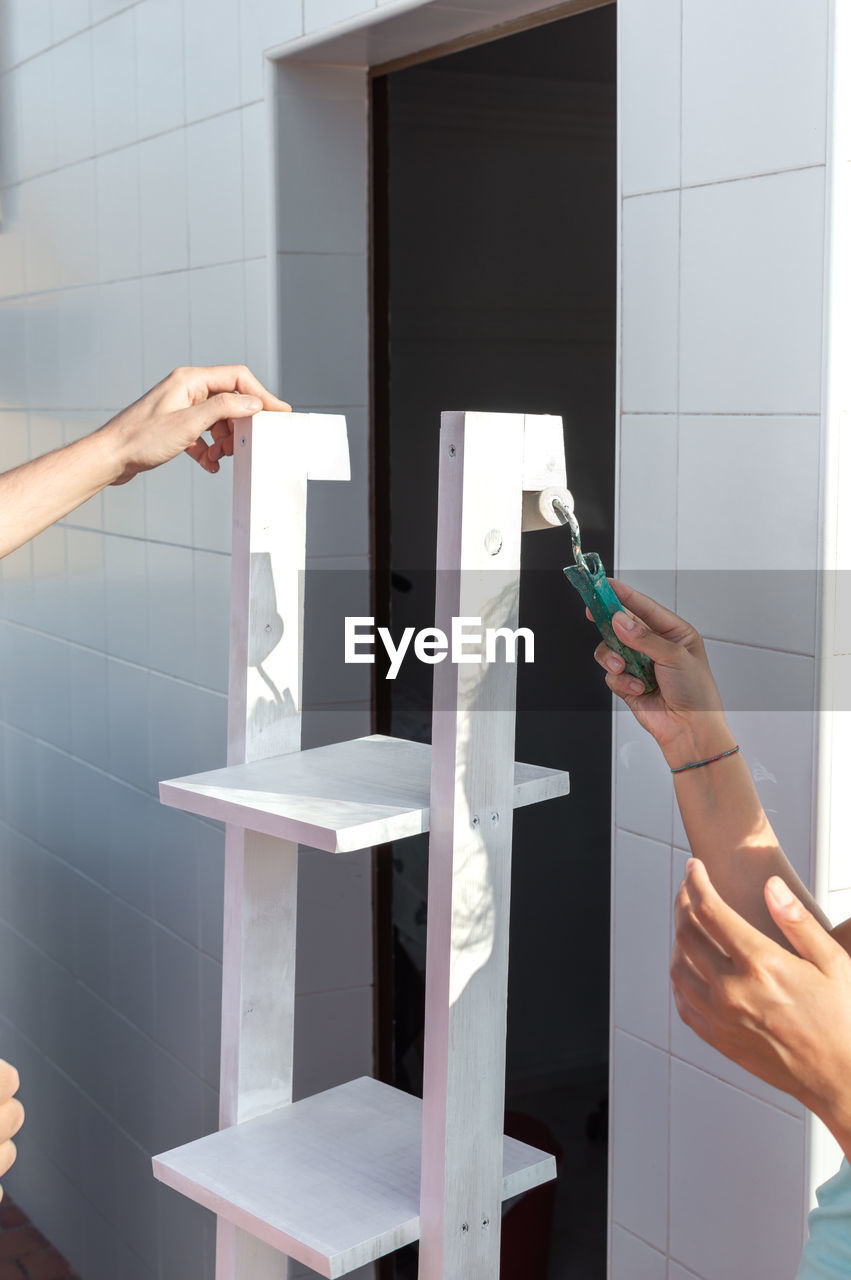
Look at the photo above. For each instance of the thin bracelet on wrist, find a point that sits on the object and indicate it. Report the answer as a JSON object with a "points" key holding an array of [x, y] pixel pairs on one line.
{"points": [[698, 764]]}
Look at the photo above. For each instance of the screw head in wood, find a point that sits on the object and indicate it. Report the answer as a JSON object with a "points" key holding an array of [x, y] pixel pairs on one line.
{"points": [[494, 817], [244, 438], [475, 819], [268, 626], [485, 1223], [493, 542], [452, 451], [465, 1227]]}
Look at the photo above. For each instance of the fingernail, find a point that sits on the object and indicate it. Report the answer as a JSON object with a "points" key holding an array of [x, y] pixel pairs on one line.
{"points": [[614, 663], [635, 686], [251, 402], [780, 892], [625, 620]]}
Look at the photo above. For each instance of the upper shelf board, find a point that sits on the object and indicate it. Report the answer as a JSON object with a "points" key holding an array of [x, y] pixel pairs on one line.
{"points": [[347, 796], [332, 1181]]}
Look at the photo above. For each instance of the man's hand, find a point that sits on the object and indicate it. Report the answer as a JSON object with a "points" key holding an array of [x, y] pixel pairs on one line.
{"points": [[172, 417], [784, 1017], [11, 1117]]}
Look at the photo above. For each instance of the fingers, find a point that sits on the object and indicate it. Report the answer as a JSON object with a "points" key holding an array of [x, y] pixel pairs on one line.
{"points": [[199, 451], [219, 408], [726, 927], [236, 377], [618, 680], [656, 616], [10, 1081], [638, 635], [801, 928], [8, 1155], [11, 1119]]}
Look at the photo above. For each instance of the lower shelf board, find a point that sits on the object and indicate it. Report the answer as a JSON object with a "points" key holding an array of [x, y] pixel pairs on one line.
{"points": [[332, 1181]]}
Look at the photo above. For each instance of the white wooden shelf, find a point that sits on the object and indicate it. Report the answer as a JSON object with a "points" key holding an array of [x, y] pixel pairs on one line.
{"points": [[342, 797], [333, 1181]]}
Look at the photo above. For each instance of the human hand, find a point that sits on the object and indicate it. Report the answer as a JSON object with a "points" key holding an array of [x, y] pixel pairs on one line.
{"points": [[172, 417], [11, 1117], [784, 1017], [684, 713]]}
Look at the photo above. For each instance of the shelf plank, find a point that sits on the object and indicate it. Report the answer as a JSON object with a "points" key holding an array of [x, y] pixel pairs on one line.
{"points": [[332, 1181], [342, 797]]}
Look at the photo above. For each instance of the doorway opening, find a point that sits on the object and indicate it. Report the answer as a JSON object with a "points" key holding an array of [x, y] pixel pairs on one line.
{"points": [[494, 288]]}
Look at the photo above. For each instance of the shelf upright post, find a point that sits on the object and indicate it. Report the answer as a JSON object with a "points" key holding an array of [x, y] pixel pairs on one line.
{"points": [[487, 461], [274, 457]]}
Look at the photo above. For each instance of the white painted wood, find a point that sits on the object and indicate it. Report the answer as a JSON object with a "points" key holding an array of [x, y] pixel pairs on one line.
{"points": [[274, 454], [332, 1181], [484, 468], [342, 797]]}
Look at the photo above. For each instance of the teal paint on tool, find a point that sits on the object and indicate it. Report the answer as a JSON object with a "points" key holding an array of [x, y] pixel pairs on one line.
{"points": [[588, 576]]}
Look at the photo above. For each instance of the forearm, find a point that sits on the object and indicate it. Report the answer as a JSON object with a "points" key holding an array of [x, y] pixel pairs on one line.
{"points": [[36, 494], [728, 830]]}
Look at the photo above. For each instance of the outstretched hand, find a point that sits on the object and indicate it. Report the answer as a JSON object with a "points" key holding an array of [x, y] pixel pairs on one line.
{"points": [[684, 713], [173, 416], [784, 1016]]}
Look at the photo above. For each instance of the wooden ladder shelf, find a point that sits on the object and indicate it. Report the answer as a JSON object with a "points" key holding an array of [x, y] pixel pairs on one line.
{"points": [[340, 1179]]}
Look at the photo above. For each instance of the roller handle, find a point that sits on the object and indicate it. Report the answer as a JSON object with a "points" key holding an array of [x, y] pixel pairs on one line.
{"points": [[591, 582]]}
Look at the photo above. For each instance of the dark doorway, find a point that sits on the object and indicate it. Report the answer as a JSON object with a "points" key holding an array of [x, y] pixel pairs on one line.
{"points": [[494, 288]]}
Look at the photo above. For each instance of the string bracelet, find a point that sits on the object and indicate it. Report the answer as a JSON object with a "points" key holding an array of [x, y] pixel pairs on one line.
{"points": [[698, 764]]}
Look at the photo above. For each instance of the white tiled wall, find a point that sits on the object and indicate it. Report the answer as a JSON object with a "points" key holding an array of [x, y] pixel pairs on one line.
{"points": [[134, 176], [723, 183]]}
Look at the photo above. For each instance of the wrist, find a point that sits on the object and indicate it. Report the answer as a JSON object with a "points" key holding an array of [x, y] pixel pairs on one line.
{"points": [[114, 452], [701, 738]]}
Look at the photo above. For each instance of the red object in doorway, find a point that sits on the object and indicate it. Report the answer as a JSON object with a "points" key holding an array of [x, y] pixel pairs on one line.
{"points": [[527, 1226]]}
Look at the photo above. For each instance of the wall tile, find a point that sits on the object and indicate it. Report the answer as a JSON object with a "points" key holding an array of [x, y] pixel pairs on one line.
{"points": [[165, 325], [125, 570], [650, 249], [742, 577], [258, 280], [43, 351], [333, 287], [127, 715], [118, 231], [771, 114], [39, 199], [752, 266], [84, 619], [69, 17], [160, 63], [114, 68], [163, 208], [72, 70], [647, 503], [188, 728], [217, 314], [89, 725], [643, 792], [13, 354], [214, 148], [212, 501], [35, 116], [119, 343], [171, 612], [325, 141], [746, 1234], [262, 25], [650, 95], [211, 37], [255, 212], [640, 1139], [176, 860], [168, 501], [178, 998], [632, 1259], [642, 896], [12, 241], [76, 225], [212, 619], [29, 30]]}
